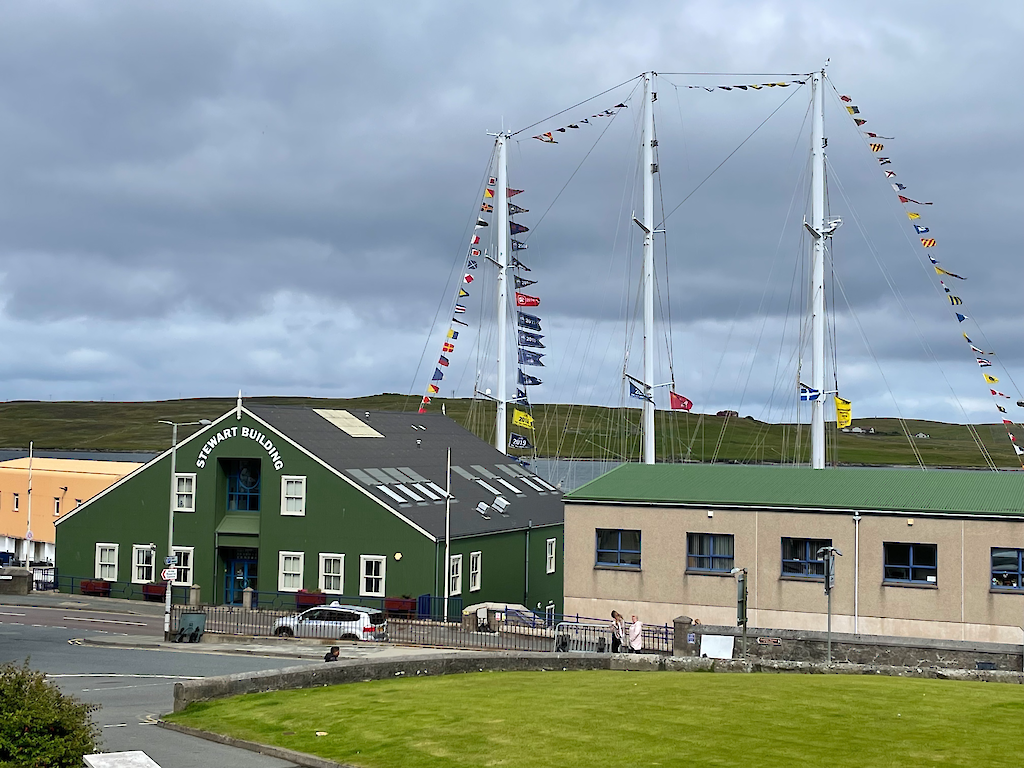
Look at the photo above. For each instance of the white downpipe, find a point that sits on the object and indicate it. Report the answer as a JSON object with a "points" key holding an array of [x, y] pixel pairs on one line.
{"points": [[856, 573], [818, 269], [447, 532], [648, 154], [29, 537], [501, 258]]}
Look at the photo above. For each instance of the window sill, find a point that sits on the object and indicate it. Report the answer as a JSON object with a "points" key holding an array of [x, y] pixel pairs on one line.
{"points": [[293, 514], [794, 577], [693, 572], [911, 584], [626, 568], [1006, 591]]}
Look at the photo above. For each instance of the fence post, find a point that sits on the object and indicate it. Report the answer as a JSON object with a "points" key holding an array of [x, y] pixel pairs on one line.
{"points": [[247, 598]]}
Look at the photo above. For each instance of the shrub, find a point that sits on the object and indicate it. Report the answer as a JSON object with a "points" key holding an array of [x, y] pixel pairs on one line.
{"points": [[39, 725]]}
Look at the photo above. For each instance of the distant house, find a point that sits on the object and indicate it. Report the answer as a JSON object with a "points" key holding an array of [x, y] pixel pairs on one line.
{"points": [[288, 498], [58, 486], [728, 414], [922, 436]]}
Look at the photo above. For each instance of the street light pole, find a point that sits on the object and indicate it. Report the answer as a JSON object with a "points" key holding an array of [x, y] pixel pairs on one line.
{"points": [[172, 560], [830, 582], [741, 603]]}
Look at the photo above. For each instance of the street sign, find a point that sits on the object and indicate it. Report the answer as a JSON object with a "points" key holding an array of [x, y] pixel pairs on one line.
{"points": [[171, 560], [169, 574]]}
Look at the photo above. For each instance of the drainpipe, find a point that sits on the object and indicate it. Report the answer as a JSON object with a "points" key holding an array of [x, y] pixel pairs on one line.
{"points": [[856, 573], [526, 589]]}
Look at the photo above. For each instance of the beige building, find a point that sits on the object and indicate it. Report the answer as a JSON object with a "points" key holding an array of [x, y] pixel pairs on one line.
{"points": [[924, 554], [57, 487]]}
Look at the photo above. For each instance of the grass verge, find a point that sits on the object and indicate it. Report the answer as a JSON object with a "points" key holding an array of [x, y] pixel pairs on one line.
{"points": [[562, 720]]}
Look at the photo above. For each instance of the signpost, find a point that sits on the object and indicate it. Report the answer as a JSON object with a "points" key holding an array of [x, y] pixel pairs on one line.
{"points": [[830, 583], [741, 603], [169, 574]]}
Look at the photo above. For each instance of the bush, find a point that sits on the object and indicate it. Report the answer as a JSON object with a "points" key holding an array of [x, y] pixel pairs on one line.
{"points": [[40, 726]]}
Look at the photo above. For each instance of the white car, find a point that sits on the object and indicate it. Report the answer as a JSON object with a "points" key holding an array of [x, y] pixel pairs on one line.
{"points": [[335, 622]]}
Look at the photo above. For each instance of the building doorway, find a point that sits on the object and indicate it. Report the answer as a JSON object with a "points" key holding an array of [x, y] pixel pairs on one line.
{"points": [[241, 570]]}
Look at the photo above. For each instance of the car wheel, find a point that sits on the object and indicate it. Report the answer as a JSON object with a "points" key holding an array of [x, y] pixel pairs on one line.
{"points": [[284, 632], [349, 636]]}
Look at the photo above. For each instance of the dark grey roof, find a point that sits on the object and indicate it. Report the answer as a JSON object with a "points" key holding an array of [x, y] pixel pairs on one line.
{"points": [[406, 467]]}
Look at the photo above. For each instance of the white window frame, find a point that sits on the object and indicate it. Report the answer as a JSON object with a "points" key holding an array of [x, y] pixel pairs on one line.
{"points": [[136, 549], [322, 584], [454, 575], [550, 556], [285, 479], [281, 574], [191, 476], [190, 568], [15, 502], [97, 571], [363, 560], [475, 571], [56, 506]]}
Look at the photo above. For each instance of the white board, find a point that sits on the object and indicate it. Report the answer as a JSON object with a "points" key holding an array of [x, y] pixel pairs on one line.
{"points": [[717, 646]]}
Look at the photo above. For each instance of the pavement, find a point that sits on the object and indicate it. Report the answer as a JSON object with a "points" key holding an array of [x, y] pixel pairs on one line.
{"points": [[284, 648]]}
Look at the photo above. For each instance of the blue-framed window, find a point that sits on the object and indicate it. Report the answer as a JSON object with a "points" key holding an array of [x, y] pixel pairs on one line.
{"points": [[243, 477], [800, 557], [913, 563], [1007, 568], [711, 552], [618, 548]]}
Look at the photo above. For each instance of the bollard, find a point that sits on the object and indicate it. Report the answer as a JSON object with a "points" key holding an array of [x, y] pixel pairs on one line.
{"points": [[247, 594]]}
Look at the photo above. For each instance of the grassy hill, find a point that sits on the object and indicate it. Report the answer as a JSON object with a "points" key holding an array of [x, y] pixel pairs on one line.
{"points": [[568, 431]]}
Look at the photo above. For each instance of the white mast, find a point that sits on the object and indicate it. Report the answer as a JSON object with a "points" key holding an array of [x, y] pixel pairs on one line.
{"points": [[447, 533], [501, 259], [818, 235], [28, 520], [648, 227]]}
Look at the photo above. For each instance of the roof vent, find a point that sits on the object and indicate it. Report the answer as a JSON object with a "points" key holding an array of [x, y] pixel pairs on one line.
{"points": [[482, 509], [501, 504]]}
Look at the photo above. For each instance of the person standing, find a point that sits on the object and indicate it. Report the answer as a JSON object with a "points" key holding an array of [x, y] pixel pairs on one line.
{"points": [[636, 635], [618, 631]]}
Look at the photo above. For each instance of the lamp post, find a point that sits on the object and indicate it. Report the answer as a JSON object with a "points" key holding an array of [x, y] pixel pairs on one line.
{"points": [[830, 582], [741, 603], [171, 560]]}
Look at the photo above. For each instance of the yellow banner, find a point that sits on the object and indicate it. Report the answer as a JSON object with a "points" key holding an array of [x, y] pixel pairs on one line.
{"points": [[522, 419], [843, 413]]}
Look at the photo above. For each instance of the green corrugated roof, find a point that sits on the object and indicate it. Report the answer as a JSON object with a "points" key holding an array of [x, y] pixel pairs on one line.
{"points": [[951, 491]]}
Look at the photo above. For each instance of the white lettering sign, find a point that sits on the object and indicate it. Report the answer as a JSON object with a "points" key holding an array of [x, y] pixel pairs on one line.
{"points": [[246, 432]]}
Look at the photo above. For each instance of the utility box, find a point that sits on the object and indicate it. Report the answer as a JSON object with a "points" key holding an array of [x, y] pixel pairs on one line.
{"points": [[15, 581], [190, 628]]}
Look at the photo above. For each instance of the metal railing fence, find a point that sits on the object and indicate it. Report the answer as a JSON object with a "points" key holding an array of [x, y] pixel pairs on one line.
{"points": [[125, 590]]}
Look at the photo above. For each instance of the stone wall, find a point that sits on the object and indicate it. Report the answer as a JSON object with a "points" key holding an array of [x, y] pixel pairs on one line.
{"points": [[808, 646]]}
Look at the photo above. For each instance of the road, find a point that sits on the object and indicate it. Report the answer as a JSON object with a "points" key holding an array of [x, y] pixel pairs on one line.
{"points": [[132, 686]]}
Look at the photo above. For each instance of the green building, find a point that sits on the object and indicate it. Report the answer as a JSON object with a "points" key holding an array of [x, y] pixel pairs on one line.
{"points": [[286, 498]]}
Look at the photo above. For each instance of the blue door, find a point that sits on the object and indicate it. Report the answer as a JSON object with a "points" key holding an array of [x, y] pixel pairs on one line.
{"points": [[238, 575]]}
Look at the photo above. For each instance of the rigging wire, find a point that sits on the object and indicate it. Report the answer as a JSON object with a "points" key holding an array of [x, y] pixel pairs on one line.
{"points": [[729, 156], [577, 104]]}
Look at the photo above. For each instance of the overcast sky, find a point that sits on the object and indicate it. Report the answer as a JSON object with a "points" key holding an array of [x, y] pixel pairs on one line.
{"points": [[201, 197]]}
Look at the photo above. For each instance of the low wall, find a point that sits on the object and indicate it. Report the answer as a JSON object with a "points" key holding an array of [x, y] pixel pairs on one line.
{"points": [[808, 646], [359, 670]]}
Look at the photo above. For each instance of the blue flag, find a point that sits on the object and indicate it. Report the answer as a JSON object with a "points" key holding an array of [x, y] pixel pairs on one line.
{"points": [[920, 230], [527, 339], [521, 397], [525, 380], [807, 393], [438, 375], [639, 394], [519, 442], [531, 322], [526, 357]]}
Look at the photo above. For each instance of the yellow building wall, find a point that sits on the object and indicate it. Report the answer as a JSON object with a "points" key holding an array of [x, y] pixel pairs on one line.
{"points": [[54, 481]]}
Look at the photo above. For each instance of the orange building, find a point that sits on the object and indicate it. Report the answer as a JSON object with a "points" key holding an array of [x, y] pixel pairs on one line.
{"points": [[57, 487]]}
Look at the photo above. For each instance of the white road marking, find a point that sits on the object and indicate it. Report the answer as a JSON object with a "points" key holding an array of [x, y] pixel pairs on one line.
{"points": [[126, 674], [123, 687], [116, 725], [106, 621], [5, 613]]}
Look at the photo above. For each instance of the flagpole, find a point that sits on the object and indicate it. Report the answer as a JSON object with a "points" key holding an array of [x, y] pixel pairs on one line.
{"points": [[501, 201], [818, 235], [648, 227], [447, 533]]}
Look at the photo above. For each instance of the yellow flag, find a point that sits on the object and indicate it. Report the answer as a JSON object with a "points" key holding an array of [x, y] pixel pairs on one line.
{"points": [[991, 379], [843, 411], [522, 419], [912, 215]]}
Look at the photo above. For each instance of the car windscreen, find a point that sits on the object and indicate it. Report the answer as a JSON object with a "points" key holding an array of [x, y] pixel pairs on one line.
{"points": [[376, 617]]}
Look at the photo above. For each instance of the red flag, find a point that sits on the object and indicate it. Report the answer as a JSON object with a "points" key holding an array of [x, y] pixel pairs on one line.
{"points": [[846, 98], [474, 240], [422, 410], [426, 400], [434, 389], [448, 347], [468, 278], [908, 200], [678, 402], [522, 300], [513, 192]]}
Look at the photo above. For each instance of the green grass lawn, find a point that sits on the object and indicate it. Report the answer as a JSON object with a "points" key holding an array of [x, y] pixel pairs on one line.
{"points": [[565, 719]]}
